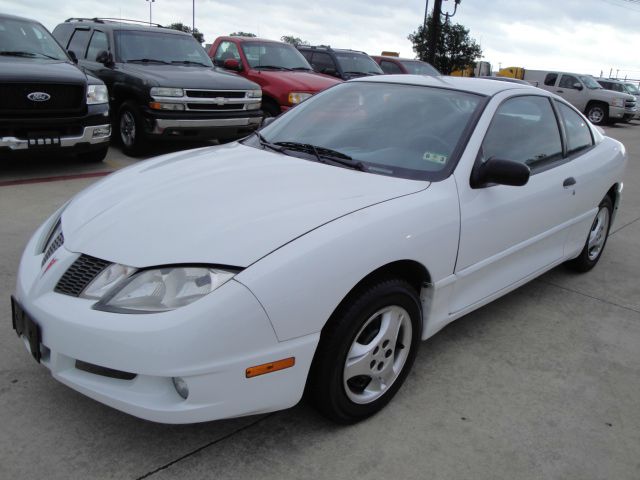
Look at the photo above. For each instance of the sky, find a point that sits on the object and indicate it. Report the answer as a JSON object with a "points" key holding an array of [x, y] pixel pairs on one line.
{"points": [[583, 36]]}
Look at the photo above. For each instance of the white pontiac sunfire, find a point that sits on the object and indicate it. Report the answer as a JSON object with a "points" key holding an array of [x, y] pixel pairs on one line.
{"points": [[314, 255]]}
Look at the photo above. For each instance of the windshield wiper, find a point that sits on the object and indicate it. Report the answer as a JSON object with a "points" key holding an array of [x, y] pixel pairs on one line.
{"points": [[10, 53], [277, 67], [302, 68], [323, 154], [265, 143], [189, 62], [148, 60]]}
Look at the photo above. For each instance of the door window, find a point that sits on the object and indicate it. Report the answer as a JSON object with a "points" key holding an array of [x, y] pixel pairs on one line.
{"points": [[226, 51], [98, 43], [568, 81], [524, 129], [578, 133], [78, 42], [389, 67], [550, 79]]}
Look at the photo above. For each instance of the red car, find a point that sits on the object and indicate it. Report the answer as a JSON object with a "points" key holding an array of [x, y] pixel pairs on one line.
{"points": [[283, 73], [391, 65]]}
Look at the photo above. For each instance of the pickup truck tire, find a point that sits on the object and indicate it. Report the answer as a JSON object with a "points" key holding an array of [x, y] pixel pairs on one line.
{"points": [[128, 129], [94, 156], [270, 108], [597, 113]]}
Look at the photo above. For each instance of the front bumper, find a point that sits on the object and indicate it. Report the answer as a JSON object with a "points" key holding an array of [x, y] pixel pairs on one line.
{"points": [[209, 344], [616, 112], [198, 126], [92, 135]]}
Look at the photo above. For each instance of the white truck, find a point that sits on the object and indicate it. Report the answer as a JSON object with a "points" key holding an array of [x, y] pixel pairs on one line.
{"points": [[583, 92]]}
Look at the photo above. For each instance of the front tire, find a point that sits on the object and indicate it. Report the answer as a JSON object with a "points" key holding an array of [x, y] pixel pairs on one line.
{"points": [[598, 113], [129, 129], [596, 240], [366, 351]]}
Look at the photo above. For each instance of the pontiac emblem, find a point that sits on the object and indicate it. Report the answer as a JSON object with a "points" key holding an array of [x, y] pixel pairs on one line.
{"points": [[39, 97]]}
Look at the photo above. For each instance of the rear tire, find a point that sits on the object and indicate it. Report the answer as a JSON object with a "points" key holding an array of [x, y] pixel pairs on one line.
{"points": [[366, 351], [596, 239]]}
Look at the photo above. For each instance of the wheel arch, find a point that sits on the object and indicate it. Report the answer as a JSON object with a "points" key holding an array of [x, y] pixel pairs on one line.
{"points": [[614, 193]]}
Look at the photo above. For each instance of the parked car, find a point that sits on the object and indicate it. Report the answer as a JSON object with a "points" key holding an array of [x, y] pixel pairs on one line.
{"points": [[161, 83], [344, 64], [397, 65], [284, 75], [47, 104], [361, 222], [583, 92], [620, 86]]}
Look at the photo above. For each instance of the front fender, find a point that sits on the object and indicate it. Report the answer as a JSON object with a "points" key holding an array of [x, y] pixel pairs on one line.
{"points": [[302, 283]]}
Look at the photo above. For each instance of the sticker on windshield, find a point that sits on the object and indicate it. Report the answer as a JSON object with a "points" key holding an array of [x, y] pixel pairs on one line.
{"points": [[435, 158]]}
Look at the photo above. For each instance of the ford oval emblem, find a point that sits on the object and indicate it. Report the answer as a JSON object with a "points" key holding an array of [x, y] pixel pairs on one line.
{"points": [[38, 96]]}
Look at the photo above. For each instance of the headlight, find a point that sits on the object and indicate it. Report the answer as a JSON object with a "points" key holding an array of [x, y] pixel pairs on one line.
{"points": [[298, 97], [166, 92], [97, 94], [254, 94], [106, 280], [160, 289], [618, 102]]}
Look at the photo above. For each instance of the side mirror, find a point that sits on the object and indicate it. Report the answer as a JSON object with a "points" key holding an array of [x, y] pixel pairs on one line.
{"points": [[500, 172], [232, 64], [266, 121], [104, 58], [577, 86], [72, 56]]}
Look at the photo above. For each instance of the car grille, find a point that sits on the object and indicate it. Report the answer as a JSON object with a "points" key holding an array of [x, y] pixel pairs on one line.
{"points": [[64, 98], [213, 106], [53, 246], [215, 94], [80, 274]]}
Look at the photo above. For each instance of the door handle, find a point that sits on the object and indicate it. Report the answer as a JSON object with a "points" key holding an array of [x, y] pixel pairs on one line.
{"points": [[568, 182], [560, 91]]}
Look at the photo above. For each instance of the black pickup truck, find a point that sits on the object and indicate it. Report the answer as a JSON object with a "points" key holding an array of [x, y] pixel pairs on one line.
{"points": [[161, 82], [47, 104]]}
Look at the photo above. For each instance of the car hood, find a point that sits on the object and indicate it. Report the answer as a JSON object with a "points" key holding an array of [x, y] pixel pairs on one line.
{"points": [[226, 205], [45, 71], [298, 80], [182, 76]]}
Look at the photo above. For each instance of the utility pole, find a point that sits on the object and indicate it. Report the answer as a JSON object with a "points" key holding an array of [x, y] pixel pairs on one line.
{"points": [[426, 13], [150, 3], [193, 16], [434, 32]]}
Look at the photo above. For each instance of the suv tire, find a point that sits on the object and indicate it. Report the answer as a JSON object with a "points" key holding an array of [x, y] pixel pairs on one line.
{"points": [[128, 129]]}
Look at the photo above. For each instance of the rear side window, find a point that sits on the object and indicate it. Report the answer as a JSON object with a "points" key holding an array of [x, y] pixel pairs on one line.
{"points": [[550, 79], [524, 129], [98, 43], [389, 67], [578, 132], [226, 51], [306, 54], [78, 42]]}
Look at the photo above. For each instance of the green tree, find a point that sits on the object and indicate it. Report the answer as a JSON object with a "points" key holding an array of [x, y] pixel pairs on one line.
{"points": [[455, 48], [293, 40], [242, 34], [185, 28]]}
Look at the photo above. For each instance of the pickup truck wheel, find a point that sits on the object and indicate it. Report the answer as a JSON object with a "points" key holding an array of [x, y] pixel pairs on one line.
{"points": [[94, 156], [366, 351], [129, 129], [598, 113], [596, 240]]}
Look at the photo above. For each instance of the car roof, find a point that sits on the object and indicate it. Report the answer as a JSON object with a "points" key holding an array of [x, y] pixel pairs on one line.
{"points": [[16, 17], [398, 59], [252, 39], [467, 84], [612, 80]]}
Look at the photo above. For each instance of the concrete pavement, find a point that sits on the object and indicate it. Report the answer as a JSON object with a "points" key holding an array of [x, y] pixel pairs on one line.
{"points": [[541, 384]]}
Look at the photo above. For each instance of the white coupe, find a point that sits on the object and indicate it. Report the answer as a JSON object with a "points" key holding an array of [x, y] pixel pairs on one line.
{"points": [[314, 255]]}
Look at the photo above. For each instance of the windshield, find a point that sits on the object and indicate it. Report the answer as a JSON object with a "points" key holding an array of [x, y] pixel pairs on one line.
{"points": [[632, 89], [419, 68], [28, 39], [354, 62], [399, 130], [590, 82], [274, 55], [133, 46]]}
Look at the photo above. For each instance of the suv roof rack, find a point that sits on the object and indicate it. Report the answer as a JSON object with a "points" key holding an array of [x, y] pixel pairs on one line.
{"points": [[112, 20], [329, 49]]}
